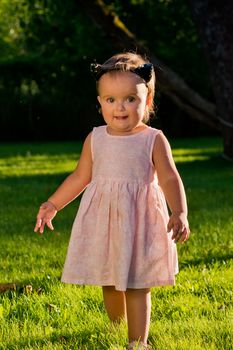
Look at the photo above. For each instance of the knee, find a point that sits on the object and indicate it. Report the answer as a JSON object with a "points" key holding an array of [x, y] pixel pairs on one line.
{"points": [[142, 291]]}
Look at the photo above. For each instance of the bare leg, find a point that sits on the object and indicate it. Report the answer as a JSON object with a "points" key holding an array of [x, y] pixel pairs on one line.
{"points": [[138, 303], [114, 302]]}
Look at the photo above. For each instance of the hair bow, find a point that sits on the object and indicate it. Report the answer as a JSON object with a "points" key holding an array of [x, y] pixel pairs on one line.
{"points": [[144, 71], [96, 70]]}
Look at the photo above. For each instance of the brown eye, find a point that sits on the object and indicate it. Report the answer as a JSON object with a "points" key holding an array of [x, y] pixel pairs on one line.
{"points": [[110, 100], [131, 99]]}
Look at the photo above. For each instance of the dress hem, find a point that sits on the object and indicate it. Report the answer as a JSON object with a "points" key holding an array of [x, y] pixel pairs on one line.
{"points": [[170, 282]]}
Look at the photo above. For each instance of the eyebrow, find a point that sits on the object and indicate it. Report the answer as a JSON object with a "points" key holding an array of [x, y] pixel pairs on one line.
{"points": [[131, 94]]}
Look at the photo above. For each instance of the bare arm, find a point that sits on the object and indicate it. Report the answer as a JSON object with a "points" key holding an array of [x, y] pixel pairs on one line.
{"points": [[72, 186], [172, 186], [76, 182]]}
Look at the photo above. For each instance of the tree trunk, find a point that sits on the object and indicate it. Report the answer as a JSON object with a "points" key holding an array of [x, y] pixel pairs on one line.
{"points": [[214, 23], [168, 82]]}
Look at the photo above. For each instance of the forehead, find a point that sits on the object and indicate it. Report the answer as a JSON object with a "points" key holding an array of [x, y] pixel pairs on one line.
{"points": [[120, 82]]}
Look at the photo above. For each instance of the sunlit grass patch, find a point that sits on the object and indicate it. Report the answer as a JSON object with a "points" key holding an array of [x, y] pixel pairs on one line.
{"points": [[191, 155], [37, 165], [199, 150], [37, 159]]}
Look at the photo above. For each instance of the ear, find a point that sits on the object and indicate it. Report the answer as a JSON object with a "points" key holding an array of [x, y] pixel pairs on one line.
{"points": [[99, 99], [149, 99]]}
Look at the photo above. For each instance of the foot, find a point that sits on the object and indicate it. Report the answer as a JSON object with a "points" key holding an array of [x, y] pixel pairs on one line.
{"points": [[138, 345]]}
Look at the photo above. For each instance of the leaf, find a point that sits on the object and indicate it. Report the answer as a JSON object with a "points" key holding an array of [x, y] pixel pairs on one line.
{"points": [[53, 307], [28, 289], [7, 286]]}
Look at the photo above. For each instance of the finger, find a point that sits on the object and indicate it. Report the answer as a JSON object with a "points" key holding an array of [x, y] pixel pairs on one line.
{"points": [[50, 225], [42, 226], [176, 230], [179, 239], [180, 235], [38, 224], [184, 236], [171, 225]]}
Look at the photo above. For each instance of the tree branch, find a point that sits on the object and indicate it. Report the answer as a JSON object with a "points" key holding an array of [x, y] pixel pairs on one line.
{"points": [[168, 82]]}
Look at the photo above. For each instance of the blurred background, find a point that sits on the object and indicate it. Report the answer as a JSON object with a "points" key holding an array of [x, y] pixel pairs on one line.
{"points": [[46, 89]]}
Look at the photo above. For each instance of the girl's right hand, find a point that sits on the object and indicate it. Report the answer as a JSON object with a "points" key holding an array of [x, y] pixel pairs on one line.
{"points": [[45, 216]]}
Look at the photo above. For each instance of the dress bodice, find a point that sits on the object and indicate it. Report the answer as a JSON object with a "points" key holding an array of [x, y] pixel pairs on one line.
{"points": [[123, 158]]}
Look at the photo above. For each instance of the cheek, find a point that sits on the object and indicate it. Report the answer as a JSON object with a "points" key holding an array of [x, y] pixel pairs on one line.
{"points": [[106, 109]]}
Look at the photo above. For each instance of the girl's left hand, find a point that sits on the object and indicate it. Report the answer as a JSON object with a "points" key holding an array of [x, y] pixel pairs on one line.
{"points": [[178, 222]]}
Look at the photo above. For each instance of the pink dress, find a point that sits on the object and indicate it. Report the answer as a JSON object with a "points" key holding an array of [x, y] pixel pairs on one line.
{"points": [[119, 236]]}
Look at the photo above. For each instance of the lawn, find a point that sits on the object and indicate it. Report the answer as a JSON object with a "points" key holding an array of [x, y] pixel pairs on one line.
{"points": [[43, 313]]}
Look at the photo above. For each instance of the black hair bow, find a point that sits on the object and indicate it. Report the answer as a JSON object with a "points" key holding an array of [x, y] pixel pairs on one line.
{"points": [[144, 71]]}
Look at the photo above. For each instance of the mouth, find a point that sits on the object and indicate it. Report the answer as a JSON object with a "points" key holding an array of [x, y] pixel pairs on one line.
{"points": [[123, 117]]}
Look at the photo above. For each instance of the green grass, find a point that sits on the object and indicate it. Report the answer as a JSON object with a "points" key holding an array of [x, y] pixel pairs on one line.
{"points": [[195, 314]]}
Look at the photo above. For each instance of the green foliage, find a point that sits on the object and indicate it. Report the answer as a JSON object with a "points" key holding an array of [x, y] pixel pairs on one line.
{"points": [[196, 314], [12, 35], [167, 29], [55, 31], [47, 47]]}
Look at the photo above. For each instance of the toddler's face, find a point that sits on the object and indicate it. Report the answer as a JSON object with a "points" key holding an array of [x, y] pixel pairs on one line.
{"points": [[123, 97]]}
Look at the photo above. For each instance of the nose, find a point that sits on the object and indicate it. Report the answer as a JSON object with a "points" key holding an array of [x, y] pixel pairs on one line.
{"points": [[120, 106]]}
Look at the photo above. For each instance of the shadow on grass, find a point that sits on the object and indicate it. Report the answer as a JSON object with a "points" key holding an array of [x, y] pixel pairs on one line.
{"points": [[48, 148], [83, 340], [207, 260], [214, 162], [41, 342]]}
